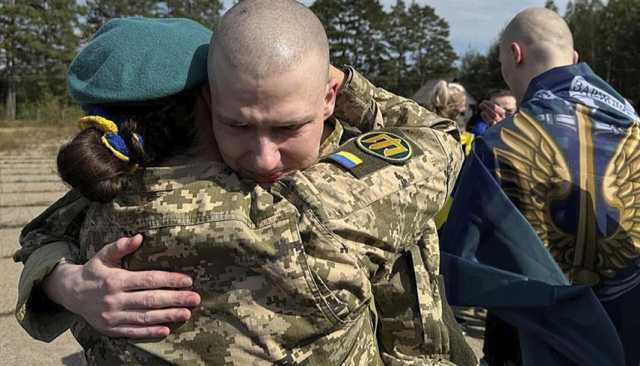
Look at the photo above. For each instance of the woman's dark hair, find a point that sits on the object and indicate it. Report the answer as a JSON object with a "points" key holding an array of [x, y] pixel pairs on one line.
{"points": [[166, 126]]}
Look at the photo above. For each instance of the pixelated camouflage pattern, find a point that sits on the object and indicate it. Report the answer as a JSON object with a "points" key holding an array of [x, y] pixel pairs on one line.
{"points": [[407, 295], [290, 274]]}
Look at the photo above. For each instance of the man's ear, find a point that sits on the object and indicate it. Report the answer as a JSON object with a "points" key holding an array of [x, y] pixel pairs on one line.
{"points": [[333, 85], [576, 57], [206, 144], [517, 52]]}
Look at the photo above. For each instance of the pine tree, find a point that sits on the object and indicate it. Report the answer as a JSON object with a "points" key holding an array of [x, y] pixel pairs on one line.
{"points": [[100, 11], [551, 5], [399, 46], [38, 40], [419, 47], [354, 29], [480, 74], [585, 21], [206, 12], [431, 51], [617, 57]]}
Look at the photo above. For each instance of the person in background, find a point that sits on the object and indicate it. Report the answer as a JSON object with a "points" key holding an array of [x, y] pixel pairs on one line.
{"points": [[499, 105], [449, 100], [568, 160]]}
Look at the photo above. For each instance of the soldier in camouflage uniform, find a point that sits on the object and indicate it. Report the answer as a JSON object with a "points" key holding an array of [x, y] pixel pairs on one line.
{"points": [[296, 275], [303, 243], [290, 273]]}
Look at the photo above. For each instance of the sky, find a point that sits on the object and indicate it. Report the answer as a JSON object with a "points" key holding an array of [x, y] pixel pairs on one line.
{"points": [[474, 24]]}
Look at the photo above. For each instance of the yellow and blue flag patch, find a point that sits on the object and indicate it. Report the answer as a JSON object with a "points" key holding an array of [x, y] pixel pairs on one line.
{"points": [[346, 159]]}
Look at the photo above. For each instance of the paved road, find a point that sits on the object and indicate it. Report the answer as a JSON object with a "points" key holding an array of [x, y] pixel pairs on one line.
{"points": [[28, 184]]}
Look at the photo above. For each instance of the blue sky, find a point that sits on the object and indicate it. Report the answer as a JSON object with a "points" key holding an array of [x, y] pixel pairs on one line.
{"points": [[473, 24]]}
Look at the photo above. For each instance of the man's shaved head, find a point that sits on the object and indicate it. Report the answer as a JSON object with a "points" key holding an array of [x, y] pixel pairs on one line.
{"points": [[270, 88], [535, 41], [542, 30], [261, 38]]}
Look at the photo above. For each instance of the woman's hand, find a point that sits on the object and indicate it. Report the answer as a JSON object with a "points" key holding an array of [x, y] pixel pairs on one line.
{"points": [[118, 302]]}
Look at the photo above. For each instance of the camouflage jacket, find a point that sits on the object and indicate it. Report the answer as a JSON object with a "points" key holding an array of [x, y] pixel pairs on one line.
{"points": [[291, 272]]}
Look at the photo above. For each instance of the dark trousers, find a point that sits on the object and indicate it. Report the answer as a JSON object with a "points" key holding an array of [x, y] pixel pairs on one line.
{"points": [[623, 312], [501, 343]]}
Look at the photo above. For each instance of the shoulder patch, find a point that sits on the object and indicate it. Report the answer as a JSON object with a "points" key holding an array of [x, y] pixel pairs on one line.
{"points": [[373, 151], [386, 146]]}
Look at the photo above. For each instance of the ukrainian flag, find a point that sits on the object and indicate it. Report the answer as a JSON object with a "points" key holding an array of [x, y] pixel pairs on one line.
{"points": [[492, 258]]}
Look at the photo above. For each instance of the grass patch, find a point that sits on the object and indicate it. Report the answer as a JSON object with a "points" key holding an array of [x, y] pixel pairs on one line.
{"points": [[31, 136]]}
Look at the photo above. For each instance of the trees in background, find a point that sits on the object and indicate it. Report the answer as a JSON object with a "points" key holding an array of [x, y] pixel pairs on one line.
{"points": [[607, 38], [355, 29], [38, 40], [480, 74], [398, 48]]}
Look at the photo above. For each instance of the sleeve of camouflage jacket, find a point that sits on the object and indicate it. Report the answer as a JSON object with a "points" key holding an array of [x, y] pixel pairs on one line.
{"points": [[367, 107], [45, 241], [385, 219]]}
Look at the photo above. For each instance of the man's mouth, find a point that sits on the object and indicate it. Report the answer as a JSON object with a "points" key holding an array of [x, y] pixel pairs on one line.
{"points": [[270, 178]]}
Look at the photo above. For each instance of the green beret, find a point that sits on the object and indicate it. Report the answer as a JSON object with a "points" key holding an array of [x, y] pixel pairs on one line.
{"points": [[138, 59]]}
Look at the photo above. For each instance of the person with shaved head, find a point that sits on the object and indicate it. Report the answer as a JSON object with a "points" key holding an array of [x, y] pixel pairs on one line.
{"points": [[308, 241], [567, 159]]}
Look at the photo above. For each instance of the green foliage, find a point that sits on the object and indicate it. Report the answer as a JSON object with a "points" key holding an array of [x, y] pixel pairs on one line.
{"points": [[399, 50], [100, 11], [50, 109], [606, 37], [480, 74], [206, 12], [551, 5], [355, 32], [37, 41], [431, 53]]}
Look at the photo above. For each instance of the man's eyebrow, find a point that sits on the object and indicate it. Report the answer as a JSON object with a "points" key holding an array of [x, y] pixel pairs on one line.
{"points": [[296, 121], [226, 120]]}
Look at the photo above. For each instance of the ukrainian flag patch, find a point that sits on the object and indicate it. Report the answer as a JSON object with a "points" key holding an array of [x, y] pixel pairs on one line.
{"points": [[346, 159]]}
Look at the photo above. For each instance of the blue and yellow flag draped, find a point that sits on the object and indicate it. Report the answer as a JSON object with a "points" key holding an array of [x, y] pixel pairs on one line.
{"points": [[550, 198], [491, 257]]}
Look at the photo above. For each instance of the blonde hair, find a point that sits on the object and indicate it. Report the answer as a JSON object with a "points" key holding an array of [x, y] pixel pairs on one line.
{"points": [[445, 99]]}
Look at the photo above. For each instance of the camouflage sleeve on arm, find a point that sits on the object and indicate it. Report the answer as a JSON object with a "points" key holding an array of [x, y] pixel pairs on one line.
{"points": [[45, 241], [367, 107], [384, 218], [40, 317]]}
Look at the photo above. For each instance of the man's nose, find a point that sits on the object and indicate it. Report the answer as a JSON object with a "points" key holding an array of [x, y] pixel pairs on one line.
{"points": [[267, 155]]}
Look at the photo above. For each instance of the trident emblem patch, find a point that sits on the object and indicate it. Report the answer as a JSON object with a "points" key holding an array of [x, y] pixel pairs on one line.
{"points": [[386, 146]]}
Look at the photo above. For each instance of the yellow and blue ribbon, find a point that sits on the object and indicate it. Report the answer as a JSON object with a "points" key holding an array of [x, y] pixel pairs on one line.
{"points": [[98, 118]]}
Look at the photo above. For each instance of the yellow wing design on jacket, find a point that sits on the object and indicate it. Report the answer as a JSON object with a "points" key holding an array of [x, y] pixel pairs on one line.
{"points": [[621, 189], [534, 173]]}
